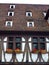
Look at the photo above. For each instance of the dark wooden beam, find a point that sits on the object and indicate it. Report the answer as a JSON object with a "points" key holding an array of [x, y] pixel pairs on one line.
{"points": [[30, 33], [25, 63]]}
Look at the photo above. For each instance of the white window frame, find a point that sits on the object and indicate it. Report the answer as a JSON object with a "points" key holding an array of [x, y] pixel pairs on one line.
{"points": [[13, 6], [30, 14], [11, 23], [10, 12], [29, 23]]}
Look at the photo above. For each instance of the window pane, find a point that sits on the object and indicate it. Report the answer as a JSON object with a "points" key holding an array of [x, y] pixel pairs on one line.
{"points": [[10, 45], [8, 24], [10, 38], [42, 45], [18, 39], [10, 14], [18, 45], [30, 24], [42, 39], [28, 14], [35, 39], [35, 45]]}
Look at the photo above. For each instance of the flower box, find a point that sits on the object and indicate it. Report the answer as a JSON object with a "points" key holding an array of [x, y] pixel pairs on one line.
{"points": [[18, 51], [35, 51], [9, 51], [43, 51], [38, 51]]}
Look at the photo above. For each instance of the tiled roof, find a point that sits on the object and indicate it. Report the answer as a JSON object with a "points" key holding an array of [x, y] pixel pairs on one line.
{"points": [[20, 20]]}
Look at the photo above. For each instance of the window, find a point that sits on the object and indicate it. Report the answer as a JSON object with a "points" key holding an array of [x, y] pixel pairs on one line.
{"points": [[29, 14], [42, 43], [10, 13], [38, 43], [42, 39], [30, 24], [12, 6], [42, 46], [10, 38], [10, 42], [9, 23], [35, 39], [18, 42], [18, 45], [14, 43], [10, 45], [18, 39], [35, 43]]}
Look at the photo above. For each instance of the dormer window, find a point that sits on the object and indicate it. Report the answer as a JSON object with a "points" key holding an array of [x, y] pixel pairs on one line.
{"points": [[9, 23], [30, 24], [10, 13], [44, 13], [29, 14], [12, 6]]}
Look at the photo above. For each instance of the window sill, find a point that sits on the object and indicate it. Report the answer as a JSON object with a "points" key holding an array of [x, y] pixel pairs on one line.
{"points": [[14, 52], [39, 51]]}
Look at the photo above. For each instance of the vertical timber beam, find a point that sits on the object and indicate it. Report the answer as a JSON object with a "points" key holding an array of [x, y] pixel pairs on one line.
{"points": [[27, 57], [0, 49]]}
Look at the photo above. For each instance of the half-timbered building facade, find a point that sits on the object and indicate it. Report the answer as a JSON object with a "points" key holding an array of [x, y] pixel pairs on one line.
{"points": [[24, 33]]}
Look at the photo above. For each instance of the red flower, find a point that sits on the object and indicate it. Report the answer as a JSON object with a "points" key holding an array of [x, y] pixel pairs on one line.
{"points": [[17, 49], [34, 50]]}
